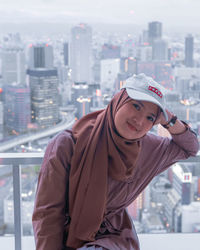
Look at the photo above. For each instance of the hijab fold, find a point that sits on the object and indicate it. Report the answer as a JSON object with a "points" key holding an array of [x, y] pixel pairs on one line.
{"points": [[99, 151]]}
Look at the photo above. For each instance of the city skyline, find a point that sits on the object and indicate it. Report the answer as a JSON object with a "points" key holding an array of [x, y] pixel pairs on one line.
{"points": [[172, 13]]}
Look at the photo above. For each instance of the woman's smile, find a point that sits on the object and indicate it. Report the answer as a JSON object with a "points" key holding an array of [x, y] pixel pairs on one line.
{"points": [[131, 127]]}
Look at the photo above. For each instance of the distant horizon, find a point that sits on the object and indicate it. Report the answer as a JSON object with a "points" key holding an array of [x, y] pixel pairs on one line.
{"points": [[173, 14], [62, 25]]}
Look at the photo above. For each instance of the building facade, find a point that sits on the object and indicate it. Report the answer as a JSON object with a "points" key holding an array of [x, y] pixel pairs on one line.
{"points": [[154, 31], [44, 97], [13, 64], [81, 53], [17, 108], [189, 51]]}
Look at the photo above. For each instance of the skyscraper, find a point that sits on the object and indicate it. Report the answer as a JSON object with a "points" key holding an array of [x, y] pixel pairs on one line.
{"points": [[17, 108], [44, 96], [1, 120], [43, 82], [160, 50], [66, 54], [189, 49], [40, 56], [81, 53], [110, 51], [154, 31], [13, 64], [182, 183]]}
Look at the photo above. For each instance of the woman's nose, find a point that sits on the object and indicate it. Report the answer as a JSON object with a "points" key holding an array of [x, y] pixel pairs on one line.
{"points": [[139, 119]]}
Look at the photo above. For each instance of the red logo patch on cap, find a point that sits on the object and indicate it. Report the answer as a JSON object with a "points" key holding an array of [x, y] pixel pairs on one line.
{"points": [[155, 90]]}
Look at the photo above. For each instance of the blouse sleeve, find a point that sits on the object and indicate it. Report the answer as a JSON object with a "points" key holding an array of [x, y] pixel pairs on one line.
{"points": [[50, 207], [162, 152]]}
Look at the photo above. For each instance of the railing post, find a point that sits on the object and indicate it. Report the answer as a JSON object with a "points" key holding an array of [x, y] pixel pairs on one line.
{"points": [[17, 206]]}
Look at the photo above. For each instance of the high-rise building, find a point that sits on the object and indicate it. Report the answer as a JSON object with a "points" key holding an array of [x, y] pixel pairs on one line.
{"points": [[1, 120], [154, 31], [44, 96], [160, 50], [128, 65], [182, 183], [109, 71], [81, 98], [13, 64], [40, 56], [144, 53], [189, 50], [171, 201], [110, 51], [164, 74], [17, 108], [66, 53], [81, 53]]}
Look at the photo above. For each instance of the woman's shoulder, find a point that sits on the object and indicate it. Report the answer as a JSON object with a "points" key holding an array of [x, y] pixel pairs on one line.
{"points": [[61, 145], [62, 138]]}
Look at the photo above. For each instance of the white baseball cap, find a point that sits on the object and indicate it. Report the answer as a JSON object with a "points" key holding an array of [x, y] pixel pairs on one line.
{"points": [[143, 88]]}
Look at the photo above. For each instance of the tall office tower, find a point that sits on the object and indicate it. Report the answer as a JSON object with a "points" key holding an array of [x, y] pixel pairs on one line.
{"points": [[172, 200], [109, 71], [128, 65], [160, 50], [154, 31], [189, 50], [1, 120], [17, 110], [144, 38], [120, 81], [182, 183], [40, 56], [81, 98], [144, 53], [66, 53], [129, 48], [79, 89], [164, 74], [13, 64], [44, 96], [110, 51], [81, 53]]}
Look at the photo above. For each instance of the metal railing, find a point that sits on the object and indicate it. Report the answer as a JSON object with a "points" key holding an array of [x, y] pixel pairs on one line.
{"points": [[17, 160]]}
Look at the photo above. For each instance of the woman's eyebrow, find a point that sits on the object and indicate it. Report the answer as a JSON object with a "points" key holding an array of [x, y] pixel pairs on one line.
{"points": [[140, 102]]}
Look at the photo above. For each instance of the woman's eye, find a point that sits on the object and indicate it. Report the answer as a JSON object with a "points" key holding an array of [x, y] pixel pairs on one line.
{"points": [[136, 106], [150, 118]]}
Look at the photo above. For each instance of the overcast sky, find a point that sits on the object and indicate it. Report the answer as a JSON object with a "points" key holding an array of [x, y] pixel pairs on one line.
{"points": [[170, 12]]}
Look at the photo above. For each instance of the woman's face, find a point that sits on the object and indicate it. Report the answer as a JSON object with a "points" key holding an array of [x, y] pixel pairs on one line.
{"points": [[135, 118]]}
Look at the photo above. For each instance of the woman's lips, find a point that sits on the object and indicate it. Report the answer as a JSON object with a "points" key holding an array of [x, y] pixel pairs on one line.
{"points": [[131, 127]]}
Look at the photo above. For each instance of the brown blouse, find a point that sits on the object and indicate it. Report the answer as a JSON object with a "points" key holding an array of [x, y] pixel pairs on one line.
{"points": [[50, 216]]}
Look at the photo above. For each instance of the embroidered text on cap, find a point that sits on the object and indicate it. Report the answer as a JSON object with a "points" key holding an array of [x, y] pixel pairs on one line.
{"points": [[155, 90]]}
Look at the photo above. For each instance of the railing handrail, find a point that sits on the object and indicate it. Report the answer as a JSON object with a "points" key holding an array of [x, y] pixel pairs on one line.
{"points": [[21, 158]]}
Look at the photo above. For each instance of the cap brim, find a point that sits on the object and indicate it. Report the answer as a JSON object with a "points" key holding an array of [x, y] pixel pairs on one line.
{"points": [[139, 96]]}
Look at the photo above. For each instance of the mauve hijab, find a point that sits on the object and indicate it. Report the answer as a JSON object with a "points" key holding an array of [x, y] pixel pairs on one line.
{"points": [[99, 151]]}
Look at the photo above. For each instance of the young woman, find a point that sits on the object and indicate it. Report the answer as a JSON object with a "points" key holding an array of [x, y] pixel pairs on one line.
{"points": [[90, 174]]}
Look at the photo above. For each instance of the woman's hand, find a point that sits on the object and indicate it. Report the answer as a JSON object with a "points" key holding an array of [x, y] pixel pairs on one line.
{"points": [[177, 128], [161, 119]]}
